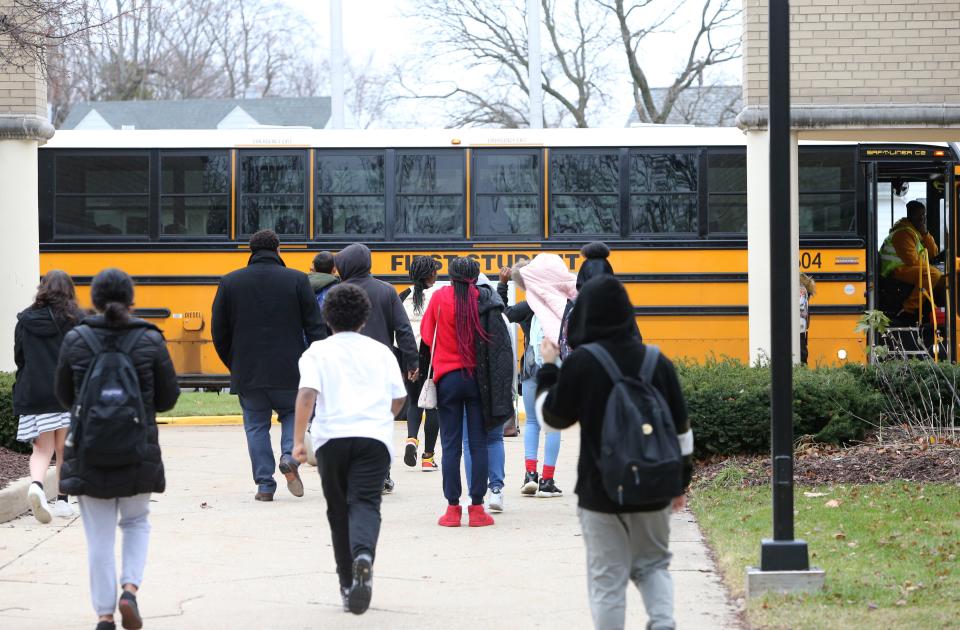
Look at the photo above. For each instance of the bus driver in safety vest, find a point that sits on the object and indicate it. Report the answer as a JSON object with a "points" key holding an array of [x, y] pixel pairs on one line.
{"points": [[901, 256]]}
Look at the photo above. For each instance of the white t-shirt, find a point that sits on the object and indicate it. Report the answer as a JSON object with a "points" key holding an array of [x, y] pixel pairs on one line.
{"points": [[356, 379]]}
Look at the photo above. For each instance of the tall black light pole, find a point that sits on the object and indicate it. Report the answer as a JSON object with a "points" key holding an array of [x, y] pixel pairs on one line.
{"points": [[782, 553]]}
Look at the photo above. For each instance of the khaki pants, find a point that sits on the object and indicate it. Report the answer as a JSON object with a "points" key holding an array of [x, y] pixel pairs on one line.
{"points": [[622, 547]]}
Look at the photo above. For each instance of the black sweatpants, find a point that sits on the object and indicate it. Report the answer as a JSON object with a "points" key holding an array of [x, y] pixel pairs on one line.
{"points": [[352, 471]]}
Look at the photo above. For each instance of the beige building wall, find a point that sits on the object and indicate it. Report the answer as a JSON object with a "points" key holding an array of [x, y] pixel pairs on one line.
{"points": [[23, 126]]}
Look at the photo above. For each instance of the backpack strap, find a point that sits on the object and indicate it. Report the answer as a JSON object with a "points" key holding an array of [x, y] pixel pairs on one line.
{"points": [[86, 333], [649, 364], [130, 340], [600, 354]]}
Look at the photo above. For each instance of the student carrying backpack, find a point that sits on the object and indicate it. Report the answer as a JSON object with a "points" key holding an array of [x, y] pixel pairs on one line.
{"points": [[114, 373], [635, 450]]}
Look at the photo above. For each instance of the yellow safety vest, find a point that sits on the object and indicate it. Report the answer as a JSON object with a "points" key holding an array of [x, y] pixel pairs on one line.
{"points": [[889, 260]]}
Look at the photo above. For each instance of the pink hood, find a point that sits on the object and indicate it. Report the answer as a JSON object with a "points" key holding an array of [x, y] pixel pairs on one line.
{"points": [[549, 285]]}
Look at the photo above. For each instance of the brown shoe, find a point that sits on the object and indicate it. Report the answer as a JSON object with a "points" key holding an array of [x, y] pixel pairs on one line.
{"points": [[511, 431], [291, 470], [263, 496]]}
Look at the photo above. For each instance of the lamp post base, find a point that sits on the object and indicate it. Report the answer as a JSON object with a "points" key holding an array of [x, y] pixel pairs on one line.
{"points": [[784, 582], [784, 555]]}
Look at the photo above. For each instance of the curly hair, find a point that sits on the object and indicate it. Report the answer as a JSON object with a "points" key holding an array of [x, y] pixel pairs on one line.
{"points": [[421, 269], [265, 239], [346, 308], [323, 262], [56, 292]]}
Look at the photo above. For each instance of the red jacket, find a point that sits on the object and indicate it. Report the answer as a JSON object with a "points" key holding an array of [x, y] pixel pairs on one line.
{"points": [[446, 358]]}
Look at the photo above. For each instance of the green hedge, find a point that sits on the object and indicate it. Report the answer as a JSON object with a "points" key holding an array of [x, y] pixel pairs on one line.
{"points": [[729, 405], [8, 421]]}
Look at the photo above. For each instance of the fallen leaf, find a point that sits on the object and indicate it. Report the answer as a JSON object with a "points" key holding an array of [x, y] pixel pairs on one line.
{"points": [[813, 495], [839, 535], [833, 503], [871, 606], [901, 602], [852, 544]]}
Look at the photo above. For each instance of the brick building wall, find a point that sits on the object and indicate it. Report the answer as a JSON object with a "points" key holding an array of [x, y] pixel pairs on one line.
{"points": [[856, 52]]}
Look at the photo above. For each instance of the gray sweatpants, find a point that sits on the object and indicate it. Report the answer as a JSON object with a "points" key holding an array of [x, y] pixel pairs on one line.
{"points": [[628, 546], [100, 527]]}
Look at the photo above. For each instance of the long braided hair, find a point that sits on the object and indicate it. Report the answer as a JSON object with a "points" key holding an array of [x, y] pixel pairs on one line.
{"points": [[421, 269], [464, 273]]}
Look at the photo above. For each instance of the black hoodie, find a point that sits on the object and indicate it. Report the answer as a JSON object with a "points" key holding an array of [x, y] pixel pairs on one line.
{"points": [[36, 345], [388, 319], [579, 390]]}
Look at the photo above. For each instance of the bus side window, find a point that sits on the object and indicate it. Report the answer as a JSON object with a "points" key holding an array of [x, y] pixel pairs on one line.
{"points": [[507, 200]]}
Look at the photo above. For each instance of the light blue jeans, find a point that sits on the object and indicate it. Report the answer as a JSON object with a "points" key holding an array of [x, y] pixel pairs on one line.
{"points": [[495, 456], [531, 436]]}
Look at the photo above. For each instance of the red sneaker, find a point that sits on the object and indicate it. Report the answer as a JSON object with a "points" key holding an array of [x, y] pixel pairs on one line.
{"points": [[478, 516], [452, 517]]}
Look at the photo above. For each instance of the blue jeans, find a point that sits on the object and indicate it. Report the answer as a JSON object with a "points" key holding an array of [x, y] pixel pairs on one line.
{"points": [[531, 437], [258, 406], [495, 455], [459, 396]]}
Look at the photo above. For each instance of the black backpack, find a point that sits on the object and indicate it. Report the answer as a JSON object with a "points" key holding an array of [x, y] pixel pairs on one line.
{"points": [[108, 424], [640, 460]]}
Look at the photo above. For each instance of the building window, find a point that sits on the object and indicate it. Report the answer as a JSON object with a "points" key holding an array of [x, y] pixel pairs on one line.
{"points": [[663, 193], [272, 194], [585, 193], [194, 195], [102, 195], [507, 194], [350, 195], [727, 193], [430, 194], [827, 190]]}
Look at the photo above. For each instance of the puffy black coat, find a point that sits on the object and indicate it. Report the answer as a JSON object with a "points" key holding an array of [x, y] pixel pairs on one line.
{"points": [[36, 346], [494, 361], [159, 390], [264, 317]]}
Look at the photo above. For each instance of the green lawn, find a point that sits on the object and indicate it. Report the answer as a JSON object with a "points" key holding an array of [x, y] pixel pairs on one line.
{"points": [[205, 404], [889, 551]]}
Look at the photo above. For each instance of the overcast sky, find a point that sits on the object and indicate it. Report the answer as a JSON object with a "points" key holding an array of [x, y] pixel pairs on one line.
{"points": [[377, 29]]}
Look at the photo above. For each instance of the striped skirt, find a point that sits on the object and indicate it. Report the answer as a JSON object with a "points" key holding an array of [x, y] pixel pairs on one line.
{"points": [[34, 424]]}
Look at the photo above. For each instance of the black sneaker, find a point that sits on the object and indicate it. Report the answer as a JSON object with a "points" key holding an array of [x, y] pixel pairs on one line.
{"points": [[549, 489], [410, 452], [290, 469], [531, 481], [129, 612], [358, 599], [345, 596], [388, 486], [106, 625]]}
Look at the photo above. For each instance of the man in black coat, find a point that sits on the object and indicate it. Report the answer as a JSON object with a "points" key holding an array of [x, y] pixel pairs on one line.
{"points": [[264, 317]]}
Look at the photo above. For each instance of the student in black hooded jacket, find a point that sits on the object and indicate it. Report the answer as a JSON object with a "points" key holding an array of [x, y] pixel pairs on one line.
{"points": [[623, 543], [43, 421]]}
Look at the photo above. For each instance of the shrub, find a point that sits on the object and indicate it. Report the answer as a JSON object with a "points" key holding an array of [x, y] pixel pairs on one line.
{"points": [[729, 405], [8, 421]]}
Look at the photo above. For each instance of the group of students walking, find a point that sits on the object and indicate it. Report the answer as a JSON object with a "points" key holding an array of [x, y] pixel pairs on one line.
{"points": [[338, 355]]}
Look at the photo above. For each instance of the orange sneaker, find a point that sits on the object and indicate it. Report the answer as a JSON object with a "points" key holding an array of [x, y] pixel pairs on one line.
{"points": [[479, 516], [452, 517], [428, 465]]}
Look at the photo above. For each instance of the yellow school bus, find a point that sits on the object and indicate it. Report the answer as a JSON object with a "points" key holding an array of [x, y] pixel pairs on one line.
{"points": [[175, 210]]}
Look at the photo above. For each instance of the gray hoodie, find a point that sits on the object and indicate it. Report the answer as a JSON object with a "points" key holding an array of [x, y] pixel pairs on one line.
{"points": [[388, 319]]}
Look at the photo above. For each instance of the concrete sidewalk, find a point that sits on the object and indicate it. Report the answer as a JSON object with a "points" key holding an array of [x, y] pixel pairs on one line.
{"points": [[218, 559]]}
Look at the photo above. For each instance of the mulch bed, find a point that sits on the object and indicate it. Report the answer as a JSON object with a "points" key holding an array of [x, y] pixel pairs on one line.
{"points": [[901, 458], [12, 466]]}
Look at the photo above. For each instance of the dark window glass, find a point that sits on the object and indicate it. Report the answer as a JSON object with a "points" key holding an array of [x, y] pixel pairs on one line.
{"points": [[498, 215], [431, 174], [350, 214], [727, 213], [829, 212], [281, 213], [430, 215], [507, 173], [90, 216], [194, 215], [349, 174], [272, 174], [826, 170], [99, 175], [585, 173], [727, 173], [586, 214], [666, 173], [194, 174], [663, 213]]}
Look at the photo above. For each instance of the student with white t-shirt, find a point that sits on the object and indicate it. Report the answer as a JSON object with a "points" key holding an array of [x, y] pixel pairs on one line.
{"points": [[353, 387]]}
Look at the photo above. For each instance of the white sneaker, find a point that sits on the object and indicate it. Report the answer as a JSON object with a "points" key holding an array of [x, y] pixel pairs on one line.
{"points": [[495, 502], [62, 509], [38, 503]]}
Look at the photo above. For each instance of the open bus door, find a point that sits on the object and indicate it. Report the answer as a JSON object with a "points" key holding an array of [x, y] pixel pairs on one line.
{"points": [[952, 203], [870, 179]]}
